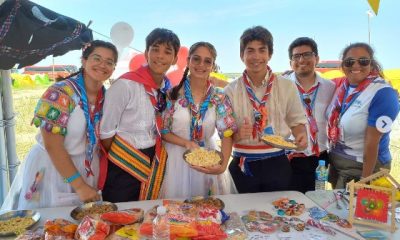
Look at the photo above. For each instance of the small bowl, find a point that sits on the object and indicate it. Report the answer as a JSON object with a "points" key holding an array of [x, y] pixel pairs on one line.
{"points": [[79, 212], [34, 215]]}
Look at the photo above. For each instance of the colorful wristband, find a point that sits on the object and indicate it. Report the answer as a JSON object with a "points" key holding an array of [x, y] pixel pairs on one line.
{"points": [[72, 178]]}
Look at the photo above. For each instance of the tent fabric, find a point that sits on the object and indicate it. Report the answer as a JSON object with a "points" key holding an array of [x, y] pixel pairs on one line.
{"points": [[30, 32]]}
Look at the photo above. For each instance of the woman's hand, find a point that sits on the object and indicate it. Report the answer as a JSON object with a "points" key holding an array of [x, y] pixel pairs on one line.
{"points": [[87, 194], [214, 170], [191, 145]]}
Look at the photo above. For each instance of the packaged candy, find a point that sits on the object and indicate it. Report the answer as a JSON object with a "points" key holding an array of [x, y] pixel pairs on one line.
{"points": [[92, 228], [59, 229]]}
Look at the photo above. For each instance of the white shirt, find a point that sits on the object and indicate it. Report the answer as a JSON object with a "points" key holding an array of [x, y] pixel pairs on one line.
{"points": [[128, 112], [324, 96]]}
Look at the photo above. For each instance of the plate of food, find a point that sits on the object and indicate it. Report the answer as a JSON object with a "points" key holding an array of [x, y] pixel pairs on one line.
{"points": [[98, 207], [16, 222], [206, 202], [202, 157], [278, 142]]}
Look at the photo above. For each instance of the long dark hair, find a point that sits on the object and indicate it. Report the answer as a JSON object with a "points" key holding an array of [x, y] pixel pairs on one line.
{"points": [[374, 64], [175, 91], [88, 49]]}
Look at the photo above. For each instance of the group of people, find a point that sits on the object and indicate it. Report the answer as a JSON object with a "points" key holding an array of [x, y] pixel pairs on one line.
{"points": [[128, 142]]}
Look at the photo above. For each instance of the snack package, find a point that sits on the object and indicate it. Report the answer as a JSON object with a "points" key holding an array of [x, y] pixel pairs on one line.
{"points": [[234, 227], [182, 219], [124, 217], [209, 230], [146, 228], [92, 228], [128, 232], [59, 229]]}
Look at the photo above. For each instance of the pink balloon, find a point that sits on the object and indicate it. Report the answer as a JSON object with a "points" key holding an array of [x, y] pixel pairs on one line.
{"points": [[175, 76], [136, 62], [182, 56]]}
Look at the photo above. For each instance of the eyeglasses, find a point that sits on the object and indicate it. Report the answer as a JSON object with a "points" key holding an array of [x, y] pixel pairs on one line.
{"points": [[97, 59], [306, 56], [197, 60], [349, 62]]}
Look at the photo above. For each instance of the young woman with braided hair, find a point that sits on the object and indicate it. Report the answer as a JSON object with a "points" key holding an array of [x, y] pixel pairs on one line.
{"points": [[196, 108]]}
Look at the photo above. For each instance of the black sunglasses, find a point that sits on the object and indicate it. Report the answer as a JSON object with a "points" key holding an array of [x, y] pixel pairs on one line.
{"points": [[349, 62]]}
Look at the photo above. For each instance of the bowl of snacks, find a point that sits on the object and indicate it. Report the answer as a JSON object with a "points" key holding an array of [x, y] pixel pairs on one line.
{"points": [[16, 222], [91, 208], [202, 157], [278, 142]]}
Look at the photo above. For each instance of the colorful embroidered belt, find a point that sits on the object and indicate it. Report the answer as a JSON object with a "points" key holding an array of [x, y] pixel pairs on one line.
{"points": [[249, 153], [134, 162]]}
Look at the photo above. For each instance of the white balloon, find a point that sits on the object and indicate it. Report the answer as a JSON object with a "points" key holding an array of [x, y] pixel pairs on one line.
{"points": [[121, 34]]}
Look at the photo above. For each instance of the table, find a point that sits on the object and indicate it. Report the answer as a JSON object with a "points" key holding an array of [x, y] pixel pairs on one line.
{"points": [[325, 199], [233, 202]]}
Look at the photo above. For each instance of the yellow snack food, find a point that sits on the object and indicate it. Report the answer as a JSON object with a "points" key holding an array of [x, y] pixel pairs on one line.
{"points": [[278, 141], [16, 224], [202, 157]]}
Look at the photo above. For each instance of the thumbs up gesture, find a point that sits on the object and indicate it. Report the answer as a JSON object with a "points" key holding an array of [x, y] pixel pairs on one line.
{"points": [[246, 129]]}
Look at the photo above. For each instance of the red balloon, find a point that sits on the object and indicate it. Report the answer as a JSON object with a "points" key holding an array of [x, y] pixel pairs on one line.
{"points": [[182, 56], [175, 76], [136, 62]]}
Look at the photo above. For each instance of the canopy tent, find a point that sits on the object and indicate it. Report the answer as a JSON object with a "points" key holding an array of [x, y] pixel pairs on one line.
{"points": [[28, 34]]}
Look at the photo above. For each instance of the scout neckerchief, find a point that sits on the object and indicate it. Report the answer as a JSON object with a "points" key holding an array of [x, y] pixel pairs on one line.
{"points": [[143, 76], [197, 115], [260, 111], [308, 98], [342, 103], [92, 119]]}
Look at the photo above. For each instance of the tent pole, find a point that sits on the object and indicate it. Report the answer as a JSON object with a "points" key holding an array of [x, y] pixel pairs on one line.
{"points": [[4, 180], [9, 115]]}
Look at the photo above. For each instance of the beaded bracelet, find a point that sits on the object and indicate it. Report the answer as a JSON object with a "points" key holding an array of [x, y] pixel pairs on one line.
{"points": [[72, 178]]}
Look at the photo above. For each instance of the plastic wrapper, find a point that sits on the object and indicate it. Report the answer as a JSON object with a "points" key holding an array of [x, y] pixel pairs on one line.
{"points": [[59, 229], [124, 217], [128, 232], [261, 221], [32, 235], [209, 230], [92, 228], [234, 228]]}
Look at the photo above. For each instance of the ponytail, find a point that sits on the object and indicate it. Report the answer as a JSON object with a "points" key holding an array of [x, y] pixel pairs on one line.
{"points": [[175, 91]]}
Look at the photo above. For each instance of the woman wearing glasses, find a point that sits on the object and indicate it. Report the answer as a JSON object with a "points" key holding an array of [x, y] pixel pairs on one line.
{"points": [[62, 169], [196, 109], [360, 117]]}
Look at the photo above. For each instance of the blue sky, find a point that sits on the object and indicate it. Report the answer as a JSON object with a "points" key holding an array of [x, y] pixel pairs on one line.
{"points": [[333, 24]]}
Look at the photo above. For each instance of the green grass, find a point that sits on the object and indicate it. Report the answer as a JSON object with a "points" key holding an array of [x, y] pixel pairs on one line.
{"points": [[24, 105], [25, 102]]}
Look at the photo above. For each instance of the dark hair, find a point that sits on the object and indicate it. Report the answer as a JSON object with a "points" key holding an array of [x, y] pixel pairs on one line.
{"points": [[258, 33], [88, 48], [162, 35], [193, 48], [374, 64], [303, 41]]}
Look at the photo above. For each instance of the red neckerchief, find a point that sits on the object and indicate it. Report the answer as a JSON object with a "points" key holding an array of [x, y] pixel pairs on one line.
{"points": [[260, 111], [310, 117], [341, 105], [142, 75]]}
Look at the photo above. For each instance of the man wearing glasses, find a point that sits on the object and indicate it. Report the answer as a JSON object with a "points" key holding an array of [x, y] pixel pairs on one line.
{"points": [[315, 94]]}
